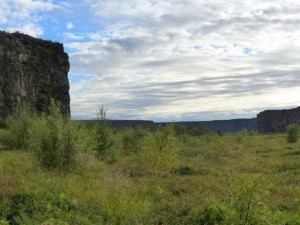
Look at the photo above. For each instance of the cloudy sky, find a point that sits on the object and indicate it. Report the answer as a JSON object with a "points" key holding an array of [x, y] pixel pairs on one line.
{"points": [[171, 60]]}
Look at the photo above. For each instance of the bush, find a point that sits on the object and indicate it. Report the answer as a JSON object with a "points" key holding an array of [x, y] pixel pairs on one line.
{"points": [[240, 136], [104, 142], [210, 216], [185, 170], [293, 221], [158, 154], [196, 129], [35, 208], [16, 137], [3, 124], [53, 139], [68, 147], [248, 198], [292, 133], [180, 129], [132, 139]]}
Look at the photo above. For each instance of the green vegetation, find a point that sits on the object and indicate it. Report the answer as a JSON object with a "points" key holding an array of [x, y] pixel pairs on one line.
{"points": [[65, 172], [158, 152], [292, 133], [104, 142], [17, 136], [52, 139]]}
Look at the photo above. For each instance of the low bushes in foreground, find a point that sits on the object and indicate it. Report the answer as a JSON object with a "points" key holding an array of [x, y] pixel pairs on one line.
{"points": [[53, 139], [158, 152], [230, 180], [18, 124]]}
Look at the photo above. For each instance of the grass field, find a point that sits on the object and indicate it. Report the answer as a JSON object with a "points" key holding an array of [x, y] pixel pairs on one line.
{"points": [[245, 178]]}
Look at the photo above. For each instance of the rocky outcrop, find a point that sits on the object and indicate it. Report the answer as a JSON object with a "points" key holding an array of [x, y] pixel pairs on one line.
{"points": [[32, 71], [274, 121]]}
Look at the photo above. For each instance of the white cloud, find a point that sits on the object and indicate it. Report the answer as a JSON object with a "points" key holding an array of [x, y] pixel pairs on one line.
{"points": [[158, 59], [23, 9], [69, 26], [35, 5], [30, 29], [155, 58], [24, 15], [73, 36]]}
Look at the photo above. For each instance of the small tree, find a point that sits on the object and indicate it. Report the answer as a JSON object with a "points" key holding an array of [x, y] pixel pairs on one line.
{"points": [[104, 137], [68, 148], [53, 139], [292, 133], [158, 154]]}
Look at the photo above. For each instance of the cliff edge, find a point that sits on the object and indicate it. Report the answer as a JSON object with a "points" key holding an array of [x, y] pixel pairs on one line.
{"points": [[32, 71], [274, 121]]}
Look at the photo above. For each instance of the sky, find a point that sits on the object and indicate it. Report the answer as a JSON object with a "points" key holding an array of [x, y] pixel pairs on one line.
{"points": [[170, 60]]}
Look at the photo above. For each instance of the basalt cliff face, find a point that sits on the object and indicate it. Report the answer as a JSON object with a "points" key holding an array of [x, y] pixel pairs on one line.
{"points": [[32, 71], [273, 121]]}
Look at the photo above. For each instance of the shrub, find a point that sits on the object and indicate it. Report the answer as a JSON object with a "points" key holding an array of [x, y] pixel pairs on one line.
{"points": [[104, 142], [293, 221], [220, 133], [240, 136], [292, 133], [18, 128], [4, 222], [210, 216], [196, 129], [185, 170], [3, 124], [158, 154], [35, 208], [132, 139], [180, 129], [7, 188], [21, 203], [53, 139], [248, 201], [68, 144]]}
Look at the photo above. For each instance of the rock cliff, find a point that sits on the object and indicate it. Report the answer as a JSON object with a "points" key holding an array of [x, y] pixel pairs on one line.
{"points": [[32, 71], [273, 121]]}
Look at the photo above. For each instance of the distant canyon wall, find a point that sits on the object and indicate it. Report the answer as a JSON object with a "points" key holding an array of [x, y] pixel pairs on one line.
{"points": [[32, 71], [269, 121], [230, 126], [275, 121]]}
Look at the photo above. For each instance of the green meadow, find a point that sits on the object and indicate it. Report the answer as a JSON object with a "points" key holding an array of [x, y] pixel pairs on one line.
{"points": [[57, 171]]}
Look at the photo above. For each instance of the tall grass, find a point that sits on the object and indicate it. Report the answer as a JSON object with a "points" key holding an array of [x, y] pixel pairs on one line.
{"points": [[19, 123], [292, 133], [214, 180]]}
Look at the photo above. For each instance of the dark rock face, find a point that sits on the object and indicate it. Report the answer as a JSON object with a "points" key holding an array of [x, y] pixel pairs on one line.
{"points": [[273, 121], [32, 71]]}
